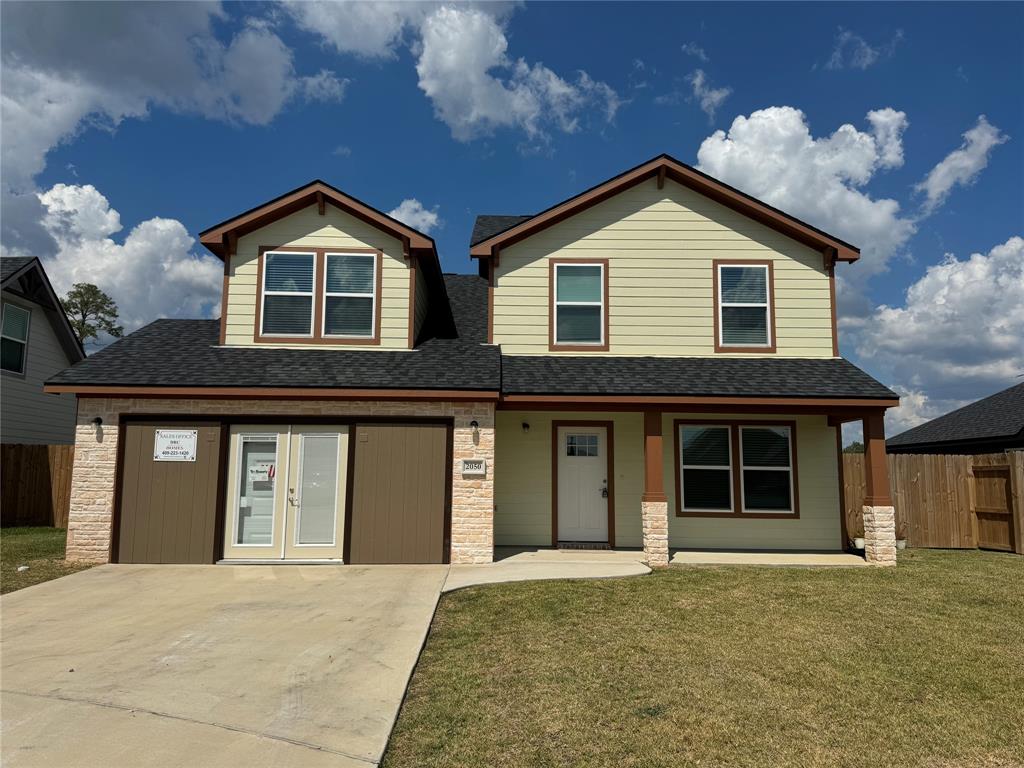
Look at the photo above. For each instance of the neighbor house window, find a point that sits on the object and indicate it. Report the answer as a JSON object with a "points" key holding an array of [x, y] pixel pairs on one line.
{"points": [[288, 294], [14, 338], [705, 458], [349, 291], [744, 306], [579, 305], [767, 468]]}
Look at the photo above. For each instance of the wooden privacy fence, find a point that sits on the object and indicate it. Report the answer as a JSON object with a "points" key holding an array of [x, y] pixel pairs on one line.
{"points": [[955, 502], [35, 484]]}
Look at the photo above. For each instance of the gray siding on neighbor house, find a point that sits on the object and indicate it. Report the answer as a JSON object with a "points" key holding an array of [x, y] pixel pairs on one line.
{"points": [[29, 415]]}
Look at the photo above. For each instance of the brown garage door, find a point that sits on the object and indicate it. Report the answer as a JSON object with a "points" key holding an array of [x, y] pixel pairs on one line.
{"points": [[168, 509], [399, 494]]}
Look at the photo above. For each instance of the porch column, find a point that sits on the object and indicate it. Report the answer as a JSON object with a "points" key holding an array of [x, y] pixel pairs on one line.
{"points": [[879, 514], [654, 502]]}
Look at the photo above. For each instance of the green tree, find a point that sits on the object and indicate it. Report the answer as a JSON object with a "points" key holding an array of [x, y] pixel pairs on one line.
{"points": [[855, 447], [91, 312]]}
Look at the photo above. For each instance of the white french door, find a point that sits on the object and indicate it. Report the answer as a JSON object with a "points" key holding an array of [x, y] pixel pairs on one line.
{"points": [[286, 492]]}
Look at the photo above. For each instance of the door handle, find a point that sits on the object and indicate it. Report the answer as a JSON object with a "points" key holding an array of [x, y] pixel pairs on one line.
{"points": [[604, 492]]}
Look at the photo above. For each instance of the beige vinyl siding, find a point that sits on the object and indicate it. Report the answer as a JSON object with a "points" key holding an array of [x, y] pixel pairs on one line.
{"points": [[308, 229], [29, 415], [818, 527], [421, 303], [522, 485], [660, 244]]}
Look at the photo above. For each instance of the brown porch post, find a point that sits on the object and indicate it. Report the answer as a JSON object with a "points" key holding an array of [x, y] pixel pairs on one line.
{"points": [[654, 502], [879, 514]]}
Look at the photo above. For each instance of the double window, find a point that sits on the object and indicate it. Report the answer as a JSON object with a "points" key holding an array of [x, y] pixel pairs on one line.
{"points": [[14, 338], [579, 311], [319, 295], [743, 307], [736, 469]]}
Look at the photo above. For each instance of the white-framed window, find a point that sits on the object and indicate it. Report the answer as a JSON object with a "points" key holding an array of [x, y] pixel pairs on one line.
{"points": [[579, 304], [705, 468], [350, 291], [255, 495], [766, 456], [581, 445], [14, 338], [744, 305], [288, 294]]}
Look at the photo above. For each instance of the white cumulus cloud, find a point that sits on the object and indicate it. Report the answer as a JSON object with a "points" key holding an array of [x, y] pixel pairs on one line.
{"points": [[412, 212], [152, 272], [962, 165]]}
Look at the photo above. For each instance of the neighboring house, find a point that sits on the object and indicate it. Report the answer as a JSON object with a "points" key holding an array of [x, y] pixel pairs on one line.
{"points": [[991, 425], [37, 342], [652, 364]]}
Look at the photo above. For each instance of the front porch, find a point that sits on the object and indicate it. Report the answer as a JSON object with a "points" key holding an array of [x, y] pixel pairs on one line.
{"points": [[624, 479]]}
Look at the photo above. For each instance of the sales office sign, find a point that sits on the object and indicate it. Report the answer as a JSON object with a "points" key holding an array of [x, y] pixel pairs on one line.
{"points": [[175, 445]]}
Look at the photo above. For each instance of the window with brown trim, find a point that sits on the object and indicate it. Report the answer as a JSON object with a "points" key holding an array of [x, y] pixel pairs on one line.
{"points": [[739, 469], [318, 296], [579, 305], [744, 312]]}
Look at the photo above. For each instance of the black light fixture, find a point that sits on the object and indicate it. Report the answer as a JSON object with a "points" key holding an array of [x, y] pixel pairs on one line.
{"points": [[526, 428], [476, 429], [98, 421]]}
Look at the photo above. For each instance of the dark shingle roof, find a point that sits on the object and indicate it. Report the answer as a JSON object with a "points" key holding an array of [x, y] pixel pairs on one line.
{"points": [[9, 265], [997, 416], [184, 353], [688, 376], [489, 226]]}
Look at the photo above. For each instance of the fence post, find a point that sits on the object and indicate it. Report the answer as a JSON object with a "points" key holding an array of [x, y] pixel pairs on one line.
{"points": [[1016, 461]]}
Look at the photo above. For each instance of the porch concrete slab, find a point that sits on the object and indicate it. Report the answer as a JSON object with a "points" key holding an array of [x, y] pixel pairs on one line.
{"points": [[798, 559], [164, 665], [528, 564]]}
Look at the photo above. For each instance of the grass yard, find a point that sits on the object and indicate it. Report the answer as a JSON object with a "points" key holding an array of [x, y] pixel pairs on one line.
{"points": [[41, 549], [921, 665]]}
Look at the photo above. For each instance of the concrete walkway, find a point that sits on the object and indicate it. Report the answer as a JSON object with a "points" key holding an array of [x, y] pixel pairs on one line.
{"points": [[164, 665], [784, 559], [534, 564]]}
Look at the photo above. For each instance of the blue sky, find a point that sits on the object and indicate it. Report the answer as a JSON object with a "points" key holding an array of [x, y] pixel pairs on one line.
{"points": [[186, 113]]}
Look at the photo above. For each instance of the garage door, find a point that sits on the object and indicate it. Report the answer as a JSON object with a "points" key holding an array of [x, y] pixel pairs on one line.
{"points": [[168, 500], [399, 494]]}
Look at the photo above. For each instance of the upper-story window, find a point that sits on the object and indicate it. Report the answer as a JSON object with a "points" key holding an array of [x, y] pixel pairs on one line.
{"points": [[349, 294], [14, 338], [288, 294], [743, 307], [319, 296], [580, 312]]}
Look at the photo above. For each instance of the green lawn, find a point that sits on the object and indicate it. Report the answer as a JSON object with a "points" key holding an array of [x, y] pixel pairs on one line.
{"points": [[41, 549], [921, 665]]}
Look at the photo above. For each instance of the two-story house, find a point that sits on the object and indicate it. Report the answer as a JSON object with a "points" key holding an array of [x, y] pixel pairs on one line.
{"points": [[652, 364]]}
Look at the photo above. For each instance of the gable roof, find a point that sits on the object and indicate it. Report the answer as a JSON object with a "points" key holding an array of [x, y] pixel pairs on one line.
{"points": [[488, 226], [662, 167], [25, 276], [319, 192], [996, 417]]}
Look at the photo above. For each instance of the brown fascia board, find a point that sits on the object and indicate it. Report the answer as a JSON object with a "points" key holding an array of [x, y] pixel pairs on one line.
{"points": [[687, 176], [214, 238]]}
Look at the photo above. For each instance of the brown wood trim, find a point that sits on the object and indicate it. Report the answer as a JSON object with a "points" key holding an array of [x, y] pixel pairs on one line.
{"points": [[412, 303], [715, 264], [225, 286], [115, 516], [220, 519], [605, 309], [274, 393], [449, 463], [320, 206], [876, 469], [737, 469], [609, 427], [303, 197], [491, 266], [832, 307], [845, 542], [629, 402], [687, 176], [350, 472], [319, 285], [654, 467]]}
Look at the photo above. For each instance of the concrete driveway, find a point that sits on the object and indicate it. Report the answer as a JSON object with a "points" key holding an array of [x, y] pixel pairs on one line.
{"points": [[163, 665]]}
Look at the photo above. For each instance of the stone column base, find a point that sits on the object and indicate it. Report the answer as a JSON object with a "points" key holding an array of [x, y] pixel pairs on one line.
{"points": [[880, 535], [654, 515]]}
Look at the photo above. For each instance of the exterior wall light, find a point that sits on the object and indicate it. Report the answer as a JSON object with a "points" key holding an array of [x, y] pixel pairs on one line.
{"points": [[526, 428]]}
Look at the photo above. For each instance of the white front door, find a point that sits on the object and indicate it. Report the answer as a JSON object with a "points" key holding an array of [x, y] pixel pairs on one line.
{"points": [[286, 493], [582, 484]]}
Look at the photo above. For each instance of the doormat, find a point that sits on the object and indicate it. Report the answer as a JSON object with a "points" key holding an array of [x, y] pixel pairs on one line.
{"points": [[583, 545]]}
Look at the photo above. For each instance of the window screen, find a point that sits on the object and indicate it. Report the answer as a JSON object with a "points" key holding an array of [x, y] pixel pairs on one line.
{"points": [[767, 469], [579, 304], [14, 338], [705, 456], [743, 304], [288, 294], [349, 291]]}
